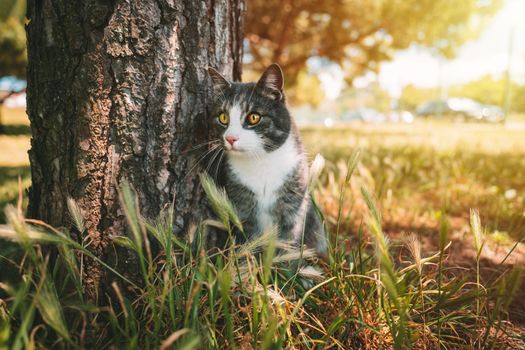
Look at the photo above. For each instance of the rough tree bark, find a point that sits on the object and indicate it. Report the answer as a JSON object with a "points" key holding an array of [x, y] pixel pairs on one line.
{"points": [[117, 91]]}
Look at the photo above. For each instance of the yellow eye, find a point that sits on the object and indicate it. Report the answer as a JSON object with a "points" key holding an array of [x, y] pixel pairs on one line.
{"points": [[223, 119], [253, 118]]}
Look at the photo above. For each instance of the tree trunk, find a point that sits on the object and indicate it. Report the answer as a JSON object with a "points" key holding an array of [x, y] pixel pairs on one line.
{"points": [[117, 91]]}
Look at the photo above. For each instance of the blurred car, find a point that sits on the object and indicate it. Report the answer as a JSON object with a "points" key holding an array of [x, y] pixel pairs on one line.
{"points": [[400, 117], [17, 100], [10, 83], [493, 114], [328, 122], [367, 115], [460, 107], [12, 92]]}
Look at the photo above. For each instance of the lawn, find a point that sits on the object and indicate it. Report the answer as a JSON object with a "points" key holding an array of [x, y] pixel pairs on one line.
{"points": [[423, 171], [14, 160], [424, 179], [419, 171]]}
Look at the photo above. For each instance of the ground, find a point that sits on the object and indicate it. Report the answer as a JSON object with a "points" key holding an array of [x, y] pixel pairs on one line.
{"points": [[14, 160], [417, 172]]}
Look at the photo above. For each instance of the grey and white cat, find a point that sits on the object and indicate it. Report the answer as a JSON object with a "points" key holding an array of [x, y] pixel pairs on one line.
{"points": [[265, 170]]}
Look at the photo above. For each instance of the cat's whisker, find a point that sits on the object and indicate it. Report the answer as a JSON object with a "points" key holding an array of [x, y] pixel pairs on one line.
{"points": [[269, 144], [212, 160], [211, 142], [204, 144], [201, 159], [217, 168]]}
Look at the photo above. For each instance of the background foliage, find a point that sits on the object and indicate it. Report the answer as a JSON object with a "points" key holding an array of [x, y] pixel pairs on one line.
{"points": [[13, 52], [356, 34]]}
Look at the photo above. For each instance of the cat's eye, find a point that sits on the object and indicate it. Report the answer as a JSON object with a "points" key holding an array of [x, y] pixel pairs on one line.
{"points": [[253, 118], [223, 119]]}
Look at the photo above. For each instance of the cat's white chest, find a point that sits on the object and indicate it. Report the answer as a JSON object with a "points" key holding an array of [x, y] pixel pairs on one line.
{"points": [[265, 175]]}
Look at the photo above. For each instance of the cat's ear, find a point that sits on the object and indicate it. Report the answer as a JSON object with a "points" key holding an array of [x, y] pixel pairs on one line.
{"points": [[272, 81], [219, 82]]}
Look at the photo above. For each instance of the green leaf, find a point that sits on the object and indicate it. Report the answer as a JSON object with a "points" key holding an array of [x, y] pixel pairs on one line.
{"points": [[50, 308], [220, 203]]}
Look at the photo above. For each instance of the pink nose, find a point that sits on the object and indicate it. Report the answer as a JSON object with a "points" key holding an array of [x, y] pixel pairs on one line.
{"points": [[231, 139]]}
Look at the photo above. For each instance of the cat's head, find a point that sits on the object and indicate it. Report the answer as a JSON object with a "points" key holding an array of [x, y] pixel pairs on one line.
{"points": [[250, 119]]}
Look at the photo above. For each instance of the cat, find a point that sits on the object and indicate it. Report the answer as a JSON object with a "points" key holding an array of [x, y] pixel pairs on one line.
{"points": [[265, 169]]}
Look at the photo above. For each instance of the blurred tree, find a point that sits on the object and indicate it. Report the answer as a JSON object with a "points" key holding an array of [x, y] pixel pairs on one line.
{"points": [[486, 90], [117, 91], [372, 96], [357, 34], [13, 53], [518, 99], [307, 91], [412, 96]]}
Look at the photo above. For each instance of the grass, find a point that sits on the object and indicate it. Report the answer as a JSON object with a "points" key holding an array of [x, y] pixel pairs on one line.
{"points": [[246, 296], [14, 160], [14, 141], [417, 171], [409, 266]]}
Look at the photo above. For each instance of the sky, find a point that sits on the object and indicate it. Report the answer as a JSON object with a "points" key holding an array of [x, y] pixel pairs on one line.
{"points": [[488, 54]]}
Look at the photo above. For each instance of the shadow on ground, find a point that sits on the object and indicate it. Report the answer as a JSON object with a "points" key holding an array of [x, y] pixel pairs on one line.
{"points": [[15, 130]]}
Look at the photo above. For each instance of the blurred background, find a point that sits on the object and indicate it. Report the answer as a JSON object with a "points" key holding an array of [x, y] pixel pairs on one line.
{"points": [[431, 91], [393, 61]]}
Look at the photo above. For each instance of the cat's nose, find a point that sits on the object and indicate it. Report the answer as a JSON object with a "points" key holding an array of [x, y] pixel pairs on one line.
{"points": [[231, 139]]}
